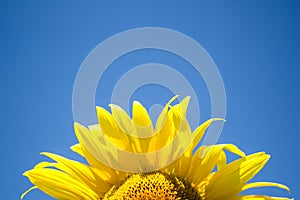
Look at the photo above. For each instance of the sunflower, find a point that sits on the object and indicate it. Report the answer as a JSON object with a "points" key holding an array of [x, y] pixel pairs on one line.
{"points": [[129, 158]]}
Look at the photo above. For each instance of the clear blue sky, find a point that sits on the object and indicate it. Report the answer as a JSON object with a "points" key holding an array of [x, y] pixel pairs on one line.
{"points": [[255, 45]]}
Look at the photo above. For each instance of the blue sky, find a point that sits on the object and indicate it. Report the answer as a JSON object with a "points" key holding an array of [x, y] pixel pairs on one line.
{"points": [[255, 45]]}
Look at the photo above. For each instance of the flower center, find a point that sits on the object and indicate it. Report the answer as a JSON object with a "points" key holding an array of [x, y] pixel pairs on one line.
{"points": [[154, 186]]}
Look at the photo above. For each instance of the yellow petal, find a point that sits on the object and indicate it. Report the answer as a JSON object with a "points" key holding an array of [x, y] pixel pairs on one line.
{"points": [[122, 119], [265, 184], [206, 158], [95, 151], [181, 166], [234, 175], [182, 106], [199, 132], [162, 118], [27, 191], [221, 163], [60, 185], [258, 197], [140, 115], [81, 172], [110, 129], [76, 148]]}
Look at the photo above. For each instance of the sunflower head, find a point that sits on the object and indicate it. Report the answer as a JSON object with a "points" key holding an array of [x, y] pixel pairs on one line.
{"points": [[155, 186], [132, 158]]}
